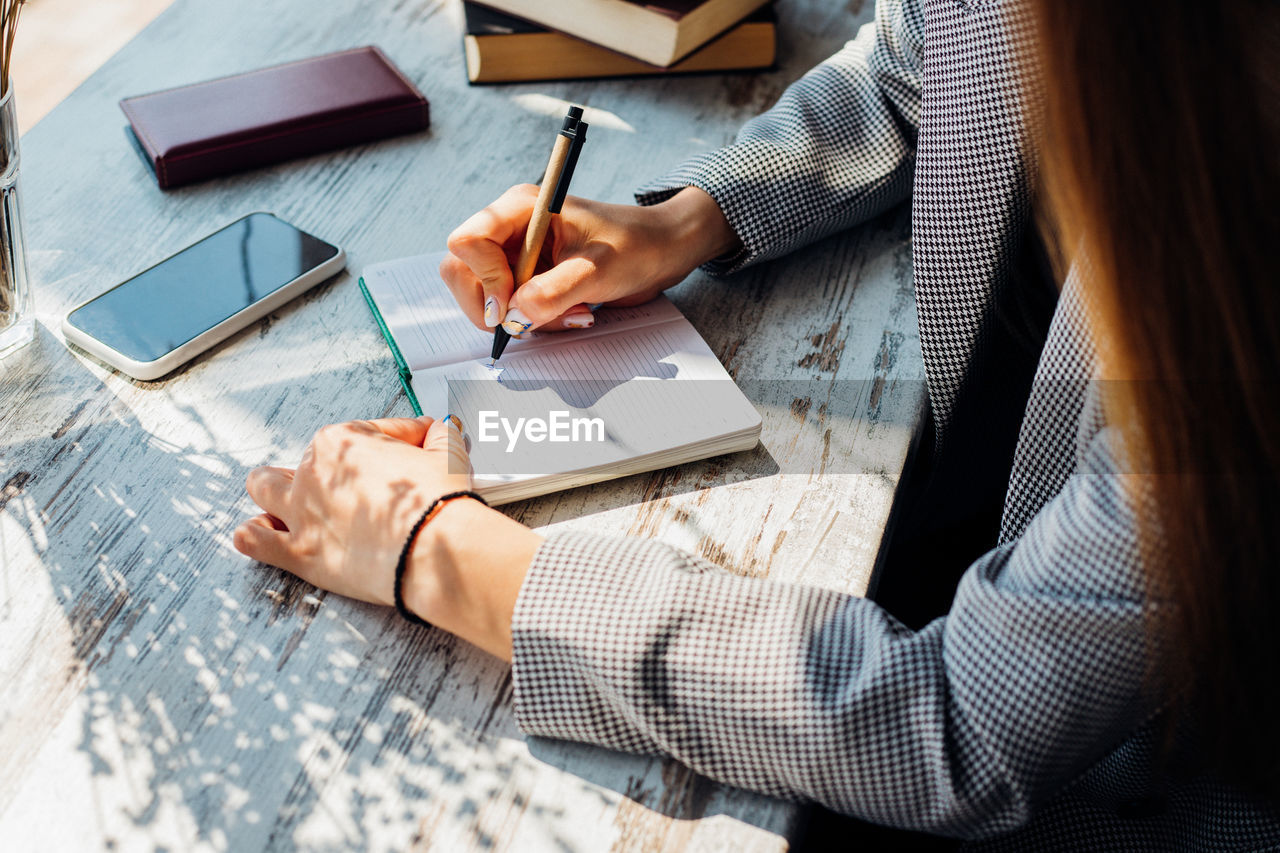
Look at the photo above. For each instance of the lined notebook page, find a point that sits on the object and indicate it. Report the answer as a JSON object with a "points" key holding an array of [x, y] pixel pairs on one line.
{"points": [[431, 330], [657, 390]]}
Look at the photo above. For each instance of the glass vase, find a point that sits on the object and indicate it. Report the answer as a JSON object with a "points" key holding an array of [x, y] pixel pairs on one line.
{"points": [[17, 320]]}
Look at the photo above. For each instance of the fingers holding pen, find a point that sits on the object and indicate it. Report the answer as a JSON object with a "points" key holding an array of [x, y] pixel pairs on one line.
{"points": [[466, 288], [481, 246], [553, 299], [486, 262]]}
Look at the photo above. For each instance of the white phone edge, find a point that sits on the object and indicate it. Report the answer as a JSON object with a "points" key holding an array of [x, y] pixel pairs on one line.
{"points": [[175, 358]]}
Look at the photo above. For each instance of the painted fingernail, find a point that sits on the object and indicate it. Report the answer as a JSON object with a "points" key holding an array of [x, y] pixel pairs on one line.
{"points": [[456, 422], [491, 311], [516, 323], [585, 320]]}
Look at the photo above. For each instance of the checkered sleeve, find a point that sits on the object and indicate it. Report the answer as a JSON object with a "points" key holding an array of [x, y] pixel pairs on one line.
{"points": [[961, 728], [837, 148]]}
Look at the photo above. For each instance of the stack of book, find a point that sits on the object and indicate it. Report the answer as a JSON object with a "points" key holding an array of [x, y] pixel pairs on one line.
{"points": [[511, 41]]}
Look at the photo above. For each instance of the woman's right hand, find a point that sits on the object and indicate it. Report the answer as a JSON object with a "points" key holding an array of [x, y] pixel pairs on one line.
{"points": [[594, 253]]}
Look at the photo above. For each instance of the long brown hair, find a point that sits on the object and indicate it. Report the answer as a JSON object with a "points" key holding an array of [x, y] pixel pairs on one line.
{"points": [[1159, 154]]}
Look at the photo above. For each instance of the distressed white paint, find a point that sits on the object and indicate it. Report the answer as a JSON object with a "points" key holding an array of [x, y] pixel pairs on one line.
{"points": [[162, 691]]}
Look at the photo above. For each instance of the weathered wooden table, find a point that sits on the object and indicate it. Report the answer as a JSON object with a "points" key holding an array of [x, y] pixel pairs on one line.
{"points": [[161, 691]]}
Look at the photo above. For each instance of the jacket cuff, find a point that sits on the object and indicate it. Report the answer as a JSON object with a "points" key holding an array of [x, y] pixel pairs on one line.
{"points": [[720, 174], [574, 649]]}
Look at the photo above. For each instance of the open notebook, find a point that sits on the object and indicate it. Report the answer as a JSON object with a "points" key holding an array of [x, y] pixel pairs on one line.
{"points": [[638, 391]]}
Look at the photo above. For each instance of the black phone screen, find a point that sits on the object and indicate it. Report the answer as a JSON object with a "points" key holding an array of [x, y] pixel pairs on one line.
{"points": [[164, 307]]}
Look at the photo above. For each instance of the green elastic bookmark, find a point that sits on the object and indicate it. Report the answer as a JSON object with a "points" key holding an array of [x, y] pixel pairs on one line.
{"points": [[402, 369]]}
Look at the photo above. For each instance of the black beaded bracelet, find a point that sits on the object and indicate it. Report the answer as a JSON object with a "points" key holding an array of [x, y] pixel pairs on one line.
{"points": [[403, 564]]}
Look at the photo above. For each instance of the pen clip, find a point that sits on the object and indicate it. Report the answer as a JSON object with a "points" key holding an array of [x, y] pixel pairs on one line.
{"points": [[577, 134]]}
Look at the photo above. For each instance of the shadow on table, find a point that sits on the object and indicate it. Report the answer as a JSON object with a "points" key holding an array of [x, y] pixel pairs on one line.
{"points": [[215, 700]]}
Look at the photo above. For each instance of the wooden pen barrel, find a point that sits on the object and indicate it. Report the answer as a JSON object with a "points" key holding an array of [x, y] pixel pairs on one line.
{"points": [[537, 230]]}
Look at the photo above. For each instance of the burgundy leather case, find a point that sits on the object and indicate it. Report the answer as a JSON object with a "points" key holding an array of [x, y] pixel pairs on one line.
{"points": [[234, 123]]}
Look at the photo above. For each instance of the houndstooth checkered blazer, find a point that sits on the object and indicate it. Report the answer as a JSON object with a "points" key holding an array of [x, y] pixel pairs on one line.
{"points": [[1025, 719]]}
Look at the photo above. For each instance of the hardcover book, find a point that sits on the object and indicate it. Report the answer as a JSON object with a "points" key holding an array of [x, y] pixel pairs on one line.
{"points": [[660, 32], [500, 48]]}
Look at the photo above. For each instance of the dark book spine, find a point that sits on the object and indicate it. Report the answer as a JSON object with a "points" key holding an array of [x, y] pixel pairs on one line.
{"points": [[484, 21]]}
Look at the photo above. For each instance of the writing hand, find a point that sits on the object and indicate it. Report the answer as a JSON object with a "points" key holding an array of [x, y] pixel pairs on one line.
{"points": [[594, 253]]}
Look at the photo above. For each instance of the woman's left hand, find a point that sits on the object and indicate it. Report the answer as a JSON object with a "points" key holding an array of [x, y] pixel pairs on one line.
{"points": [[340, 520]]}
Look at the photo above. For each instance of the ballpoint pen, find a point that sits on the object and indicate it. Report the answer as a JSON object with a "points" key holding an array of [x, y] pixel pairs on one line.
{"points": [[555, 185]]}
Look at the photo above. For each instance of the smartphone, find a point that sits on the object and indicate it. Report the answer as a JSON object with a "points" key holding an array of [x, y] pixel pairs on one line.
{"points": [[166, 315]]}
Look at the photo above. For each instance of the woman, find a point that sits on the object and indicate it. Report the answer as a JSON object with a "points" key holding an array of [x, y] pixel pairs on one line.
{"points": [[1105, 677]]}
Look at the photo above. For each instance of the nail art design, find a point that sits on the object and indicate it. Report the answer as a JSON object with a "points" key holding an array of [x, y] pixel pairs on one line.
{"points": [[455, 422], [516, 323], [491, 311], [579, 321]]}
